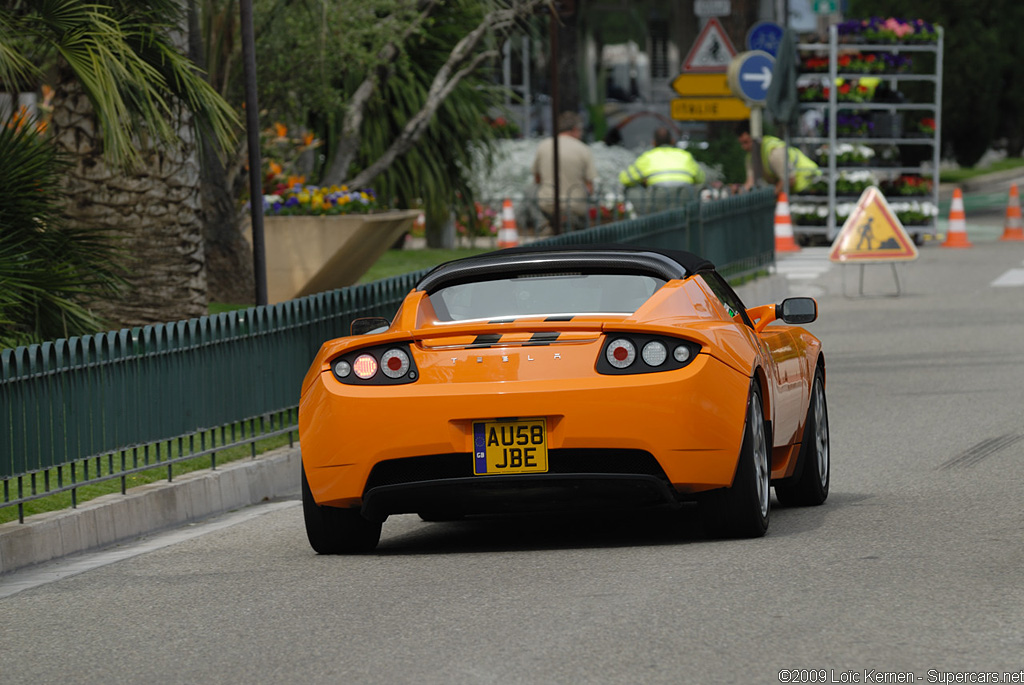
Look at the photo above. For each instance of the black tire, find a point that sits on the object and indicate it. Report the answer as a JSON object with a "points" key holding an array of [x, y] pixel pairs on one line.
{"points": [[743, 510], [337, 531], [809, 486]]}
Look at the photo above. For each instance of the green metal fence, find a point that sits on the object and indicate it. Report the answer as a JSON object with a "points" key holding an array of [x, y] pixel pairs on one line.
{"points": [[94, 408]]}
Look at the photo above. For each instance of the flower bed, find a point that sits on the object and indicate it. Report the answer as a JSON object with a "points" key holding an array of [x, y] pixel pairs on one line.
{"points": [[859, 63], [907, 185], [848, 183], [847, 154], [912, 213], [809, 214], [852, 125], [316, 201], [922, 128], [886, 31]]}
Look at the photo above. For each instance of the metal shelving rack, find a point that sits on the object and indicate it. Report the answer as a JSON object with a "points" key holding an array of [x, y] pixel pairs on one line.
{"points": [[833, 106]]}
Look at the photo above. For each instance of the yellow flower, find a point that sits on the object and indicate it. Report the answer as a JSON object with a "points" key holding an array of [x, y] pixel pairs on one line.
{"points": [[304, 197]]}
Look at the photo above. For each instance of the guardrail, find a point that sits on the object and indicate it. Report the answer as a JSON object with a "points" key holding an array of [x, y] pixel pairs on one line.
{"points": [[95, 408]]}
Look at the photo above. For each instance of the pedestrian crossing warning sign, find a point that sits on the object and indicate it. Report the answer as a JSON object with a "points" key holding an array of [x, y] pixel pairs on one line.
{"points": [[872, 233], [712, 51]]}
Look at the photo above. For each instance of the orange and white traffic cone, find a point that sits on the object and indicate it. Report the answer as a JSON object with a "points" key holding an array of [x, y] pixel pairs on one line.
{"points": [[1014, 229], [784, 240], [508, 234], [956, 236]]}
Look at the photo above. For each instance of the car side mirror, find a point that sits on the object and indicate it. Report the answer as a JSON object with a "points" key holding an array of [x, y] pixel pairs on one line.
{"points": [[798, 310], [370, 324]]}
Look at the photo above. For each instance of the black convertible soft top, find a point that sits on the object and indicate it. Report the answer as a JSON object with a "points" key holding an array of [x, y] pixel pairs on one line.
{"points": [[596, 258]]}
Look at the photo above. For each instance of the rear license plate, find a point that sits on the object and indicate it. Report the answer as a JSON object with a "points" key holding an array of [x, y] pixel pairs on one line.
{"points": [[510, 447]]}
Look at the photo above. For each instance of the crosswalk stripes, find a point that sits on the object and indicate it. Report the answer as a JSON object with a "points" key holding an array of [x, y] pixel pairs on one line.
{"points": [[807, 264], [812, 262]]}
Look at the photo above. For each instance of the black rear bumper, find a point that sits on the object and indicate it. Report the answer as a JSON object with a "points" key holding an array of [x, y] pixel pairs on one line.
{"points": [[532, 493]]}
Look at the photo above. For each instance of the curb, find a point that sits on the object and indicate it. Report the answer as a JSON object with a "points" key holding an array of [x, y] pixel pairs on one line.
{"points": [[148, 508]]}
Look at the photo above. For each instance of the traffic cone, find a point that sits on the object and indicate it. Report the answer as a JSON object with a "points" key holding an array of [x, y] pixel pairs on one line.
{"points": [[957, 234], [508, 234], [784, 241], [1014, 228]]}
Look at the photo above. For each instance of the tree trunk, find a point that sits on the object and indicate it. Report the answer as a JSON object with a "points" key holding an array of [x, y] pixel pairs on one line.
{"points": [[229, 262], [153, 210]]}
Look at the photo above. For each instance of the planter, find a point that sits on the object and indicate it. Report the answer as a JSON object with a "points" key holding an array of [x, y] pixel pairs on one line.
{"points": [[311, 254]]}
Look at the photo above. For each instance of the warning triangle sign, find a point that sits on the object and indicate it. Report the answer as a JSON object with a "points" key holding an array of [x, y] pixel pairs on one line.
{"points": [[872, 233], [712, 51]]}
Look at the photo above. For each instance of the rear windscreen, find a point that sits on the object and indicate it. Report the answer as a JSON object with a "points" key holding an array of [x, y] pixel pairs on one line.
{"points": [[544, 294]]}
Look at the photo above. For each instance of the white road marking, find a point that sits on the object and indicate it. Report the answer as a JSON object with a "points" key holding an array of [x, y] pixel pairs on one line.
{"points": [[58, 569], [1010, 279], [807, 264]]}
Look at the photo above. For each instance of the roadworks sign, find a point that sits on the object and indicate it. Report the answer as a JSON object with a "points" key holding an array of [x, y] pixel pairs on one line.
{"points": [[872, 233]]}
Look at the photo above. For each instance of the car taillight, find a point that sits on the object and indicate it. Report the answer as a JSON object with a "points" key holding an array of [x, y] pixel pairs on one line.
{"points": [[342, 368], [382, 365], [365, 366], [657, 353], [654, 353], [620, 353], [394, 363]]}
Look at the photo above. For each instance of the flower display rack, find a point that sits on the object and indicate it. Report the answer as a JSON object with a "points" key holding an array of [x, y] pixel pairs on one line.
{"points": [[864, 130]]}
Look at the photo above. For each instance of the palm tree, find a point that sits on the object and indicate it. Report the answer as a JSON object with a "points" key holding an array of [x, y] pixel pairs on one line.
{"points": [[394, 90], [49, 271], [126, 105]]}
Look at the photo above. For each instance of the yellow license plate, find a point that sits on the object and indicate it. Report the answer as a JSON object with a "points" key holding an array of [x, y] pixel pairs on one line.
{"points": [[510, 447]]}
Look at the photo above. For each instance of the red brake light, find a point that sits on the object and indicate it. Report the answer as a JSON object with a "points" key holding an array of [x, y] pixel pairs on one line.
{"points": [[365, 366], [394, 363], [621, 353]]}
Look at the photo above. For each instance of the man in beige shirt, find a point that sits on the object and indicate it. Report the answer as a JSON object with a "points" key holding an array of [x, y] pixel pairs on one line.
{"points": [[576, 172]]}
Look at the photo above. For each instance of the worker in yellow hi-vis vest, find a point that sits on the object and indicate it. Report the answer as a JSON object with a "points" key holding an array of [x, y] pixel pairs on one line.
{"points": [[766, 161], [664, 165]]}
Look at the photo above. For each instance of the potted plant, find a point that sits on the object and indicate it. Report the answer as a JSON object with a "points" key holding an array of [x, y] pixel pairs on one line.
{"points": [[318, 238]]}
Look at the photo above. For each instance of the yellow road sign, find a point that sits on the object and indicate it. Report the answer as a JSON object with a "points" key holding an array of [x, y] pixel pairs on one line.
{"points": [[872, 233], [709, 109], [690, 85]]}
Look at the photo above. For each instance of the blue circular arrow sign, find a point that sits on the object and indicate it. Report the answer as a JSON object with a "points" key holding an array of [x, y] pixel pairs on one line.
{"points": [[754, 75]]}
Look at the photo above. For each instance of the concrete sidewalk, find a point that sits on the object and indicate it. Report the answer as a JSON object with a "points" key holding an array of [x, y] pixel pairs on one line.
{"points": [[116, 518]]}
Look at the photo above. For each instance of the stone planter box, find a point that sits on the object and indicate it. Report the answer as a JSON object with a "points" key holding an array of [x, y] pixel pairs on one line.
{"points": [[312, 254]]}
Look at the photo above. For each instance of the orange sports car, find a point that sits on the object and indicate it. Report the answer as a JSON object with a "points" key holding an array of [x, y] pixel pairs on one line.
{"points": [[544, 379]]}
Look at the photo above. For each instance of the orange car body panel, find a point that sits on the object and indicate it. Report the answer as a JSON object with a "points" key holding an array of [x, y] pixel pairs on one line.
{"points": [[690, 419]]}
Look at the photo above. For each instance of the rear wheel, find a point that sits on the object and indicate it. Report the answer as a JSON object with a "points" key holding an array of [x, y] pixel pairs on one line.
{"points": [[743, 509], [810, 487], [337, 531]]}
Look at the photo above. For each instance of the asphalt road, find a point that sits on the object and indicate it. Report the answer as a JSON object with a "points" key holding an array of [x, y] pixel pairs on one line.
{"points": [[914, 565]]}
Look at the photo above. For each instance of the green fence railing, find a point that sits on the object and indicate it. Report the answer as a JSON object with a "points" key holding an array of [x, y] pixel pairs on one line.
{"points": [[88, 409]]}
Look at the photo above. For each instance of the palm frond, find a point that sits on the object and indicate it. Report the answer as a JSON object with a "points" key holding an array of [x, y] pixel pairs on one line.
{"points": [[49, 273]]}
